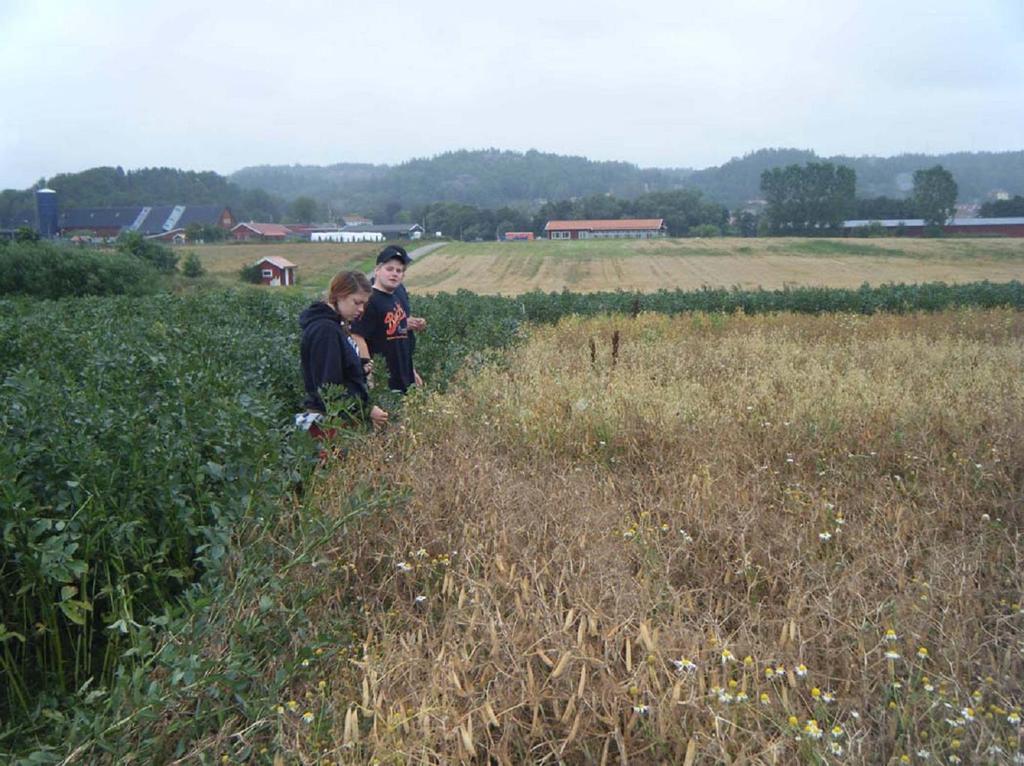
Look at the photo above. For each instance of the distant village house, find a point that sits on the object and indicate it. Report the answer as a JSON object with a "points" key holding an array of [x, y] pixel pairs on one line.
{"points": [[264, 232], [388, 230]]}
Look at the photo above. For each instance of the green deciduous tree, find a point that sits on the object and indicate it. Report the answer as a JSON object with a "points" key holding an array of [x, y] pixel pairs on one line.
{"points": [[160, 256], [813, 199], [934, 195], [193, 266], [1003, 208], [302, 210]]}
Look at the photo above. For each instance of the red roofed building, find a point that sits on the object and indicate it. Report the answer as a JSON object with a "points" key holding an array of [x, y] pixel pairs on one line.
{"points": [[262, 231], [625, 228], [276, 271]]}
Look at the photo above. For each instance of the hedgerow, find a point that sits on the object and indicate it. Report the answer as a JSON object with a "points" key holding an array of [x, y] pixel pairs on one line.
{"points": [[44, 270]]}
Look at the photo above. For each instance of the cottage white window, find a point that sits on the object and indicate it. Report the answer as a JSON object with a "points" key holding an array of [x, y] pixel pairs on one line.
{"points": [[267, 273]]}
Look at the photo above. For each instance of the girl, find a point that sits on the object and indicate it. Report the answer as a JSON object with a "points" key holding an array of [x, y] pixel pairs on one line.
{"points": [[329, 354]]}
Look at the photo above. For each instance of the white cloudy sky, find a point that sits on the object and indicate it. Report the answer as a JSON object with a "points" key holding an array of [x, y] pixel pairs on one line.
{"points": [[221, 85]]}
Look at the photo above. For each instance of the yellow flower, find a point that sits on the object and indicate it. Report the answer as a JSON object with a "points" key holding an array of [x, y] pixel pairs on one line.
{"points": [[816, 693], [292, 705], [307, 717], [793, 721], [764, 698], [890, 635], [801, 670], [748, 661], [727, 656], [922, 652], [904, 758], [1014, 717]]}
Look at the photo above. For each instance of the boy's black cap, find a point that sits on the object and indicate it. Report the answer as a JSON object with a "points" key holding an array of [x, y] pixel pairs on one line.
{"points": [[391, 252]]}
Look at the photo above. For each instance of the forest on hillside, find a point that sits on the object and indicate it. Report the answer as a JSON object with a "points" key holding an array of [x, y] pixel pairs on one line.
{"points": [[492, 178]]}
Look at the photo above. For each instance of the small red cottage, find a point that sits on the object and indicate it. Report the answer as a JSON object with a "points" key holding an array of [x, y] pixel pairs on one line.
{"points": [[276, 271], [260, 231]]}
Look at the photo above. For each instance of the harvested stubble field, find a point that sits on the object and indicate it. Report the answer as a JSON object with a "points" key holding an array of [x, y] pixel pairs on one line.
{"points": [[698, 539], [512, 268]]}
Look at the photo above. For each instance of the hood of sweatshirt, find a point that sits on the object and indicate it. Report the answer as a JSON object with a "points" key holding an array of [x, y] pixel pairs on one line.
{"points": [[319, 312]]}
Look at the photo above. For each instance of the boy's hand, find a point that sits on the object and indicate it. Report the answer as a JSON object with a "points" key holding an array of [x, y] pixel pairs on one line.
{"points": [[417, 379], [417, 324]]}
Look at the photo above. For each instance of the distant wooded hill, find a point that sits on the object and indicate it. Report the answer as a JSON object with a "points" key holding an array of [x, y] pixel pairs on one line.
{"points": [[114, 187], [491, 178]]}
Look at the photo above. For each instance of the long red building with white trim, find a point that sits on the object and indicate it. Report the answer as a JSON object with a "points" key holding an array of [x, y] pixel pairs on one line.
{"points": [[623, 228]]}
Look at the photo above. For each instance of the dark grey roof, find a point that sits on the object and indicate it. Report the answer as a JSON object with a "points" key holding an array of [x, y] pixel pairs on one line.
{"points": [[154, 221], [145, 220], [384, 228], [202, 214], [99, 217]]}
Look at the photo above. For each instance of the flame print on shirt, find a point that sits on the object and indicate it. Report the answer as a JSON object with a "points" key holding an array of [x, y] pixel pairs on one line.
{"points": [[393, 322]]}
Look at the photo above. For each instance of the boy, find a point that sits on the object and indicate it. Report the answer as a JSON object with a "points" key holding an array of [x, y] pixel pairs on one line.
{"points": [[384, 328]]}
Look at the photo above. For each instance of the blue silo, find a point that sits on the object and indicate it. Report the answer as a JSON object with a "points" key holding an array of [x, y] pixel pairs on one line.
{"points": [[46, 213]]}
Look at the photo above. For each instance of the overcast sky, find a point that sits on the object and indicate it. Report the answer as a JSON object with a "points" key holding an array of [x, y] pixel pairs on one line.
{"points": [[665, 83]]}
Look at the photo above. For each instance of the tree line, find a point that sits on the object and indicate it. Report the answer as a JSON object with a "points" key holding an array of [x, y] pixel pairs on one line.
{"points": [[817, 197], [685, 213]]}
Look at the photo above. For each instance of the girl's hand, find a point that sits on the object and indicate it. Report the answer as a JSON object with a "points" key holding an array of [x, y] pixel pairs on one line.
{"points": [[378, 417]]}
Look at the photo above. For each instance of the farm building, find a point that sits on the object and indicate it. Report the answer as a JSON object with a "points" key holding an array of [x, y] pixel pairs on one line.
{"points": [[307, 230], [389, 230], [174, 236], [346, 236], [517, 236], [625, 228], [276, 271], [266, 232], [915, 227], [156, 222]]}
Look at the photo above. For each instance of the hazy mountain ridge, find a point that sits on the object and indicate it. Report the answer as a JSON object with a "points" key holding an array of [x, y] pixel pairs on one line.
{"points": [[492, 178]]}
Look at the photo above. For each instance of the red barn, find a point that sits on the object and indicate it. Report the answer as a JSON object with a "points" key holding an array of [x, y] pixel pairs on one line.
{"points": [[276, 271], [625, 228]]}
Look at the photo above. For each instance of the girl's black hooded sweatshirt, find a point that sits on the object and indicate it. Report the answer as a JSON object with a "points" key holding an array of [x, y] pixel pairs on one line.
{"points": [[329, 355]]}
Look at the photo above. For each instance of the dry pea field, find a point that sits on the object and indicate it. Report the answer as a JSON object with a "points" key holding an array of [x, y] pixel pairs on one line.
{"points": [[512, 268], [689, 540]]}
